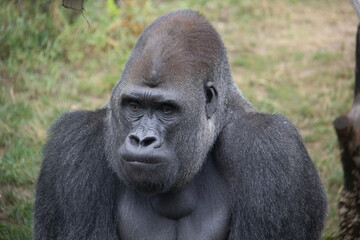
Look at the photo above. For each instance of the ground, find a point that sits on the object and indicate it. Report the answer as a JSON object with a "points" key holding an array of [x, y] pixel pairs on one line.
{"points": [[289, 56]]}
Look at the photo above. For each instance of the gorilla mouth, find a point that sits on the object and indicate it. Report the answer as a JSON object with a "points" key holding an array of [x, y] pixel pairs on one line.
{"points": [[143, 165], [143, 161], [142, 158]]}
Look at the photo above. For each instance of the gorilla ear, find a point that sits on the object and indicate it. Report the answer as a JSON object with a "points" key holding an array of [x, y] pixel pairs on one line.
{"points": [[211, 99]]}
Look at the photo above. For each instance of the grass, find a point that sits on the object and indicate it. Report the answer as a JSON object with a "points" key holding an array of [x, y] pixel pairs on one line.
{"points": [[291, 57]]}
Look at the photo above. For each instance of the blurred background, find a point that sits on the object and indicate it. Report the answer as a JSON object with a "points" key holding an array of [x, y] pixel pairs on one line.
{"points": [[294, 57]]}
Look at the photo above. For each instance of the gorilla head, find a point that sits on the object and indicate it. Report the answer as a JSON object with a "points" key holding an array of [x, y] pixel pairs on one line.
{"points": [[157, 137]]}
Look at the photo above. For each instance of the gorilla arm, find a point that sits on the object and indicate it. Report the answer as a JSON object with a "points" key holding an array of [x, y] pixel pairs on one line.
{"points": [[277, 191], [75, 188]]}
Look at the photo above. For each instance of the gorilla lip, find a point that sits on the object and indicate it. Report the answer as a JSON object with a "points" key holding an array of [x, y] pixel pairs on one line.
{"points": [[143, 164], [142, 157], [135, 162], [142, 160]]}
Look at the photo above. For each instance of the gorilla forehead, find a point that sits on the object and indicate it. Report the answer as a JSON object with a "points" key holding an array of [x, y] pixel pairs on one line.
{"points": [[181, 43]]}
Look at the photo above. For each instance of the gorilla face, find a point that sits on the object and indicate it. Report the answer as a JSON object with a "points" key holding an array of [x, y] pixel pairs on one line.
{"points": [[158, 133], [147, 156]]}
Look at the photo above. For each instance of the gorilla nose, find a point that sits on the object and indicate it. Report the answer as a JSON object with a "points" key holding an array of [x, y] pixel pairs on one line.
{"points": [[146, 141]]}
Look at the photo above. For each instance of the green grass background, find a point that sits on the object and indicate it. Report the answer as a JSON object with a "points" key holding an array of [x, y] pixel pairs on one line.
{"points": [[294, 57]]}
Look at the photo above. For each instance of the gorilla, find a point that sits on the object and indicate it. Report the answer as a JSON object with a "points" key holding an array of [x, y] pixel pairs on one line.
{"points": [[177, 153]]}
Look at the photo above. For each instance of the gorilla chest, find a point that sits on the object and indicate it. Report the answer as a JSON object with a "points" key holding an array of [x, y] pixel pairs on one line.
{"points": [[142, 218], [137, 219]]}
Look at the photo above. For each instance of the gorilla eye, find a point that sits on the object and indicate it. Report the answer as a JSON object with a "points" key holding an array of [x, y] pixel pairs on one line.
{"points": [[134, 106], [166, 109]]}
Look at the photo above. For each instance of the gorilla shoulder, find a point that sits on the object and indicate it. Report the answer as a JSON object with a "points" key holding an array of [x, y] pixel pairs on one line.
{"points": [[75, 131], [78, 120], [269, 148], [75, 143], [74, 183]]}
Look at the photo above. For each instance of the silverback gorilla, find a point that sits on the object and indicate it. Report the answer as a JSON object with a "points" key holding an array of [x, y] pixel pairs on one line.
{"points": [[178, 153]]}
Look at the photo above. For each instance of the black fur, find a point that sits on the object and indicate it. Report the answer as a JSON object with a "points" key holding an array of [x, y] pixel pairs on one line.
{"points": [[205, 166], [278, 191], [76, 189]]}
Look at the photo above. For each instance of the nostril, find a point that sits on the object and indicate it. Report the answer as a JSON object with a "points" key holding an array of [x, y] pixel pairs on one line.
{"points": [[147, 141], [134, 140]]}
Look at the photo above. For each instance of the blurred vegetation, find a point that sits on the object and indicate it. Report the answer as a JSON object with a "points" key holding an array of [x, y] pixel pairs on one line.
{"points": [[292, 57]]}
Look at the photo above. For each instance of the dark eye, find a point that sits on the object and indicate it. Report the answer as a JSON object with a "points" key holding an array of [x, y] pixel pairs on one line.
{"points": [[134, 106], [165, 109]]}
